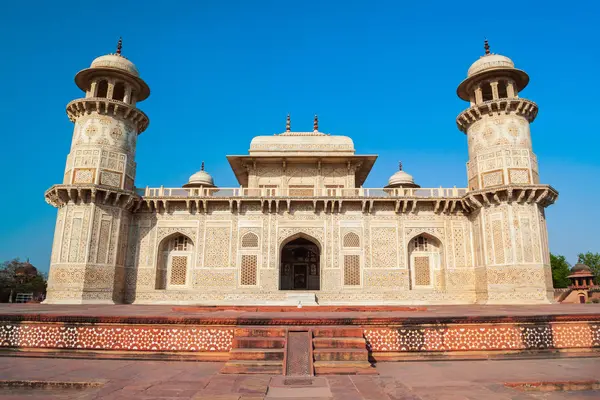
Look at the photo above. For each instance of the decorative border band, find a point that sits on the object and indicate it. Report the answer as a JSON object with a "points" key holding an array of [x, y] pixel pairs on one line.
{"points": [[503, 337], [116, 337]]}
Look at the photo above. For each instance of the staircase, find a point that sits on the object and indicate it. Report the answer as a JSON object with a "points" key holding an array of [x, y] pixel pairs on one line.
{"points": [[341, 351], [256, 351]]}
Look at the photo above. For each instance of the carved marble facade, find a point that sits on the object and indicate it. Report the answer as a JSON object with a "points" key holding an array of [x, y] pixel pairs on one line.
{"points": [[300, 194]]}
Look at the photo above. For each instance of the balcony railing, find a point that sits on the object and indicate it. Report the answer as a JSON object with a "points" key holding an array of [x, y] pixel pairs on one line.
{"points": [[301, 192]]}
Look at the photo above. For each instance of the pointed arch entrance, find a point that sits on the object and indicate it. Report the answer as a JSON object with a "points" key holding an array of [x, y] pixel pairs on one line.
{"points": [[300, 265], [425, 253]]}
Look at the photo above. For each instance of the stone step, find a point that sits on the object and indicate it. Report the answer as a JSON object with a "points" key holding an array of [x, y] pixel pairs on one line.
{"points": [[253, 367], [306, 299], [256, 354], [259, 332], [344, 368], [258, 343], [338, 332], [341, 355], [339, 343]]}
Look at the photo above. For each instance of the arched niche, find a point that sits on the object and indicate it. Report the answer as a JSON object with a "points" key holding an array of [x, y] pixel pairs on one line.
{"points": [[174, 262], [300, 263], [424, 258]]}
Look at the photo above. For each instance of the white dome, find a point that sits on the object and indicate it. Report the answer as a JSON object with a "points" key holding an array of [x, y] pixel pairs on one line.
{"points": [[401, 179], [302, 143], [489, 62], [115, 61], [200, 178], [491, 65]]}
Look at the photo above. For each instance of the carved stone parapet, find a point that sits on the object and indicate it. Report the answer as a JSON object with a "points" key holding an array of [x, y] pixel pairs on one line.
{"points": [[60, 195], [403, 205], [523, 107], [79, 107], [543, 195]]}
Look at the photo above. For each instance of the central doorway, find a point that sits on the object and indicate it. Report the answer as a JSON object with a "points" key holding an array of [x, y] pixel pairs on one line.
{"points": [[299, 268]]}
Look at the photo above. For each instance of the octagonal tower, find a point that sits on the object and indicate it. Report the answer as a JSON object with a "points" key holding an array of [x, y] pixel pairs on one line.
{"points": [[497, 123], [512, 263], [97, 195]]}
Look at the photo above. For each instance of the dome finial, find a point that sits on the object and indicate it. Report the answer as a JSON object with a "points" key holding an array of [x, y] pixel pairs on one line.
{"points": [[486, 46], [316, 123], [399, 165], [202, 167], [119, 46], [288, 123]]}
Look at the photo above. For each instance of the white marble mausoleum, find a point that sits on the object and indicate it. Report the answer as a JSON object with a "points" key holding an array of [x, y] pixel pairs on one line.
{"points": [[300, 227]]}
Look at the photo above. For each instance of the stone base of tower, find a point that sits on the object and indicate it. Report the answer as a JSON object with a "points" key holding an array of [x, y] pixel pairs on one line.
{"points": [[81, 297], [85, 284], [514, 284]]}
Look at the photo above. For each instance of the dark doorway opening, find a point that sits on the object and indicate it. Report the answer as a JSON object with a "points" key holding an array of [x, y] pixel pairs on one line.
{"points": [[300, 266]]}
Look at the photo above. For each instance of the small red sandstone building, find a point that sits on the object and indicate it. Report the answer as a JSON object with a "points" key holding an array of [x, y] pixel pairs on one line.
{"points": [[582, 283]]}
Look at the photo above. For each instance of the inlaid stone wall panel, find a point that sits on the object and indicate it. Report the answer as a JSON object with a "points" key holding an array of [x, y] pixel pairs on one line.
{"points": [[109, 178], [84, 175], [75, 238], [526, 239], [179, 266], [384, 251], [58, 235], [104, 239], [460, 238], [422, 271], [214, 280], [497, 229], [352, 270], [493, 178], [217, 247], [393, 279], [249, 270]]}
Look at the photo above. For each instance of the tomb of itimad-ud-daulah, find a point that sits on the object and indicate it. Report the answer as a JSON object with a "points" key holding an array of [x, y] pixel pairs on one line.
{"points": [[300, 227]]}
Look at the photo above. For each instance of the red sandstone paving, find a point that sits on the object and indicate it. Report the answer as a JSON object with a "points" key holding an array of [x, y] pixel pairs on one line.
{"points": [[402, 380]]}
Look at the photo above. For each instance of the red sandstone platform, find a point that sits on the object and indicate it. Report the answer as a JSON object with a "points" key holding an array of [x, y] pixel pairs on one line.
{"points": [[255, 339], [308, 315]]}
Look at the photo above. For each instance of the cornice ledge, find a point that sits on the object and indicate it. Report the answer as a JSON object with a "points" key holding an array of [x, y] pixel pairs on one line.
{"points": [[82, 106], [61, 195], [544, 195], [518, 105]]}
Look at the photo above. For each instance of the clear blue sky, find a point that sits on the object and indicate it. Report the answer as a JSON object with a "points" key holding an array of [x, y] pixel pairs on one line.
{"points": [[222, 72]]}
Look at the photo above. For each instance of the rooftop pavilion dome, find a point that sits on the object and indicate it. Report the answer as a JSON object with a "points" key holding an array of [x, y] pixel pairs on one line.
{"points": [[581, 269], [200, 179], [113, 64], [301, 148], [401, 179], [299, 143], [489, 65]]}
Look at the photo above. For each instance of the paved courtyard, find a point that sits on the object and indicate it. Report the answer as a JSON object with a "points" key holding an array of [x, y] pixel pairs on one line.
{"points": [[121, 379]]}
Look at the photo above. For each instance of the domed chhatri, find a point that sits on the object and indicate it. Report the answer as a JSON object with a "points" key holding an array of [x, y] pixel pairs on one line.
{"points": [[491, 64], [26, 270], [113, 64], [200, 179], [115, 61], [401, 179], [582, 281], [581, 269]]}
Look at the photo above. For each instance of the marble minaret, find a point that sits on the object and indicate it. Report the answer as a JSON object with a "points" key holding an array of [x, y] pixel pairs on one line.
{"points": [[508, 223], [97, 195]]}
